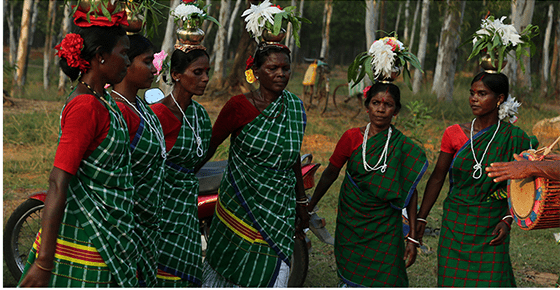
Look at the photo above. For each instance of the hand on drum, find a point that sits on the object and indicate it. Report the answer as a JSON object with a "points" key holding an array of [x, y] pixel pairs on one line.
{"points": [[502, 231], [501, 171]]}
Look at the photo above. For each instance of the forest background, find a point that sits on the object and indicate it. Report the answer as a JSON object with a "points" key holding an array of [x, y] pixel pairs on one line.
{"points": [[34, 94]]}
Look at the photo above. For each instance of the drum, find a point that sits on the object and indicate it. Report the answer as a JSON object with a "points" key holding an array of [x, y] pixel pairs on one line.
{"points": [[534, 203]]}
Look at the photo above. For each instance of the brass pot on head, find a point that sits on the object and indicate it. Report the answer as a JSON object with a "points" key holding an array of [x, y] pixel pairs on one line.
{"points": [[491, 66], [395, 72], [190, 34], [135, 19], [269, 37]]}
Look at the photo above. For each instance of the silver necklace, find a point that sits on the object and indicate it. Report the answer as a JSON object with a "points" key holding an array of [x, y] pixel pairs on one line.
{"points": [[148, 120], [196, 133], [478, 164], [383, 156]]}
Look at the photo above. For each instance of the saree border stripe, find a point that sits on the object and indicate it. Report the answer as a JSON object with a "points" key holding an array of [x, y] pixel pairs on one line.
{"points": [[180, 275], [166, 276], [269, 241], [238, 226], [75, 253]]}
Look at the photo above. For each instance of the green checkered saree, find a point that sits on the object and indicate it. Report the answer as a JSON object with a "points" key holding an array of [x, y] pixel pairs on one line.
{"points": [[99, 216], [369, 245], [181, 253], [148, 171], [258, 189], [471, 212]]}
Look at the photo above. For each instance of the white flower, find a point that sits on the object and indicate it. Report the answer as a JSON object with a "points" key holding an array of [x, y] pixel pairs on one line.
{"points": [[383, 59], [507, 32], [509, 109], [257, 16], [184, 11]]}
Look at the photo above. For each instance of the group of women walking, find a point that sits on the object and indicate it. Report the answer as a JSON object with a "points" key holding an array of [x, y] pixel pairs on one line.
{"points": [[121, 208]]}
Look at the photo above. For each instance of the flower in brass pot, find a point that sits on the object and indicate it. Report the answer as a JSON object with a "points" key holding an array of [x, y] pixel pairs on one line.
{"points": [[266, 16], [190, 14], [495, 39]]}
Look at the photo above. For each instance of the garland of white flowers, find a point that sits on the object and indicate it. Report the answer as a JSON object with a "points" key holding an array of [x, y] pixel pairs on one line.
{"points": [[508, 109]]}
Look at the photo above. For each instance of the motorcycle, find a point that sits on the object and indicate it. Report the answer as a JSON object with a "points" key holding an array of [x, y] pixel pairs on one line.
{"points": [[24, 223]]}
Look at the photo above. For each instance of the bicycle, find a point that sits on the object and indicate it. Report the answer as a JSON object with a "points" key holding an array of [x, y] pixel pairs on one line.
{"points": [[317, 76]]}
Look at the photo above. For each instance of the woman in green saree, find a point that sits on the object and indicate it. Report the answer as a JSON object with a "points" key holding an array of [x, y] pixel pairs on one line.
{"points": [[370, 248], [87, 236], [474, 241]]}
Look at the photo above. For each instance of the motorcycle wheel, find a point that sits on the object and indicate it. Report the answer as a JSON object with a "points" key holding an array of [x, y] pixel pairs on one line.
{"points": [[20, 233], [300, 263]]}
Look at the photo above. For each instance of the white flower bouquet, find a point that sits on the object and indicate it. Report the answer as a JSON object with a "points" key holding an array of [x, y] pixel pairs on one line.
{"points": [[271, 17], [191, 14], [380, 61], [498, 39], [508, 109]]}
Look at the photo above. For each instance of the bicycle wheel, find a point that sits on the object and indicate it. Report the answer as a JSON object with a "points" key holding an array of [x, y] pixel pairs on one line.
{"points": [[300, 264], [349, 106], [20, 233]]}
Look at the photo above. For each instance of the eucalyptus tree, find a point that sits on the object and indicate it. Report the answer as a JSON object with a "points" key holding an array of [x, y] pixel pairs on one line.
{"points": [[23, 46], [421, 53]]}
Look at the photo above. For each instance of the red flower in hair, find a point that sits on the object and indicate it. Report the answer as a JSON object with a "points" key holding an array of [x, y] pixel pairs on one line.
{"points": [[366, 89], [250, 62], [70, 49]]}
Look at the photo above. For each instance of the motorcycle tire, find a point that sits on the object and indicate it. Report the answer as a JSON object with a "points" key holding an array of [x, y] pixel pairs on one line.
{"points": [[300, 263], [20, 233]]}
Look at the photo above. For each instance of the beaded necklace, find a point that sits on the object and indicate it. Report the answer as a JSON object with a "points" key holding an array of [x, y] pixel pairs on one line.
{"points": [[478, 164], [103, 100], [147, 118], [383, 156], [196, 133]]}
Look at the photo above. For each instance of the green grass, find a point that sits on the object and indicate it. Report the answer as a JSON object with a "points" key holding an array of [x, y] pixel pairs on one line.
{"points": [[36, 134]]}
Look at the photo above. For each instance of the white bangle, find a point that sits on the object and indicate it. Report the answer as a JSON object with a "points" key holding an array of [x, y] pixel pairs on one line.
{"points": [[507, 216], [413, 241], [421, 220]]}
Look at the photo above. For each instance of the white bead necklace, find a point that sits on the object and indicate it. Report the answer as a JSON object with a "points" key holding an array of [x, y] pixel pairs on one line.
{"points": [[149, 121], [383, 156], [199, 150], [478, 164]]}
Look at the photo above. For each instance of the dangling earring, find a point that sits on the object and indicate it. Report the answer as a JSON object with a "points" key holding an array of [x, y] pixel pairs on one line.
{"points": [[102, 61], [497, 106]]}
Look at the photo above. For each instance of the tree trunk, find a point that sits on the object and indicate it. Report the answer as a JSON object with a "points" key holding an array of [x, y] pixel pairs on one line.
{"points": [[218, 78], [555, 64], [421, 54], [34, 21], [23, 47], [398, 18], [413, 31], [207, 25], [169, 41], [10, 21], [235, 83], [289, 38], [327, 13], [381, 19], [444, 73], [522, 14], [372, 8], [64, 29], [232, 20], [48, 50], [406, 20], [546, 44]]}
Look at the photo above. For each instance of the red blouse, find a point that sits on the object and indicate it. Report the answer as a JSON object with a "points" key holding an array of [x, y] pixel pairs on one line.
{"points": [[169, 123], [84, 124], [453, 139], [348, 143], [235, 114], [132, 120]]}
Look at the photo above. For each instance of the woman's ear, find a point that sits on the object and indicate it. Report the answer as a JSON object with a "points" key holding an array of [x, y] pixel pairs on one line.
{"points": [[501, 98], [174, 76]]}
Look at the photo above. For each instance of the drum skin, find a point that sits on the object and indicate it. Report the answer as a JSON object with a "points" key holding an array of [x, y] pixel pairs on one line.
{"points": [[534, 203]]}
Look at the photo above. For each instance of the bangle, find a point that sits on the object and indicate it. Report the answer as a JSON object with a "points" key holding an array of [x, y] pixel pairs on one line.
{"points": [[422, 220], [417, 243], [507, 216], [302, 201], [509, 226], [43, 268]]}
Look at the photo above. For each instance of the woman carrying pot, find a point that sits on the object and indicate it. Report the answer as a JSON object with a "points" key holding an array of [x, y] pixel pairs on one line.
{"points": [[147, 146], [383, 167], [187, 130], [87, 236], [475, 213]]}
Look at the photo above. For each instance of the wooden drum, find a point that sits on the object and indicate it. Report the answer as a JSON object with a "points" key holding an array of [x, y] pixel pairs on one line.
{"points": [[534, 203]]}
